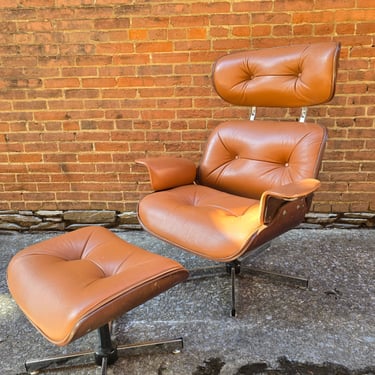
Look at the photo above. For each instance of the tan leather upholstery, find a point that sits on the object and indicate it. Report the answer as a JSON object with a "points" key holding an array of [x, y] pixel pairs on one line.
{"points": [[278, 77], [167, 172], [243, 166], [256, 178], [77, 282], [246, 159]]}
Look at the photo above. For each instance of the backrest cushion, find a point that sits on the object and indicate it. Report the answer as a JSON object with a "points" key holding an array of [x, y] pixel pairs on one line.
{"points": [[248, 157], [289, 76]]}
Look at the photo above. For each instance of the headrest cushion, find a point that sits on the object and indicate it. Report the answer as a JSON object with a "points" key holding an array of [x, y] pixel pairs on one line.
{"points": [[290, 76]]}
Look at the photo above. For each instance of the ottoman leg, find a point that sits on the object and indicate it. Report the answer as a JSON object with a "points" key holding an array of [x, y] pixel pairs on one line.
{"points": [[107, 353], [172, 346], [35, 365]]}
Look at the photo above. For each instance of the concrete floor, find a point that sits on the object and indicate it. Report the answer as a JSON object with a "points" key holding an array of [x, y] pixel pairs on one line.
{"points": [[279, 329]]}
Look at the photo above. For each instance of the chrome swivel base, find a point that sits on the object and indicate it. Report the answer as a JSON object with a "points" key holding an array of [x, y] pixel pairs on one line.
{"points": [[106, 355], [236, 267]]}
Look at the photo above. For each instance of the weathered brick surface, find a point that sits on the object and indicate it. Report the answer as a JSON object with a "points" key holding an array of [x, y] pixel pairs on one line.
{"points": [[88, 86]]}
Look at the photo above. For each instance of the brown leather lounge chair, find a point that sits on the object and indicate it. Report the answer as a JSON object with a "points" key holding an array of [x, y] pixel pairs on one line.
{"points": [[256, 178], [80, 281]]}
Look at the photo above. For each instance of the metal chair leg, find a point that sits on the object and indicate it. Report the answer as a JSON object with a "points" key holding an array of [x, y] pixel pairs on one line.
{"points": [[233, 281], [280, 277], [275, 276], [104, 365], [235, 267]]}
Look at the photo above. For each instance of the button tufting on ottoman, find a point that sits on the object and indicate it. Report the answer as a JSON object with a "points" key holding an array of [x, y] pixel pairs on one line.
{"points": [[72, 284]]}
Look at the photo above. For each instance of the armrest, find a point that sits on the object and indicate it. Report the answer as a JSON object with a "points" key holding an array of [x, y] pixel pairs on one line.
{"points": [[273, 199], [168, 172]]}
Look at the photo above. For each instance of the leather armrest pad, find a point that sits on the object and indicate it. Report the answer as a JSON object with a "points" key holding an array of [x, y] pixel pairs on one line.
{"points": [[287, 192], [294, 190], [169, 172]]}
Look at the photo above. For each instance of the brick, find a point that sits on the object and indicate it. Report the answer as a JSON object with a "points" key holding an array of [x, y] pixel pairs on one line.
{"points": [[6, 4], [35, 26], [98, 82], [93, 60], [151, 22], [112, 23], [115, 48], [332, 4], [324, 29], [251, 6], [211, 8], [161, 46], [315, 17], [228, 45], [62, 83], [138, 34], [197, 33], [346, 28]]}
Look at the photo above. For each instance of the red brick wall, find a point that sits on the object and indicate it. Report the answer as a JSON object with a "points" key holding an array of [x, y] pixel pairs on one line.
{"points": [[87, 86]]}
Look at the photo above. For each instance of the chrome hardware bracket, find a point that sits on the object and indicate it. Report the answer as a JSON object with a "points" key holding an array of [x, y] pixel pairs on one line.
{"points": [[303, 115], [253, 113]]}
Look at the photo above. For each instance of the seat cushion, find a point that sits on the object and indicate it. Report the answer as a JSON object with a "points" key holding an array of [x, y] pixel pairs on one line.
{"points": [[205, 221], [81, 280]]}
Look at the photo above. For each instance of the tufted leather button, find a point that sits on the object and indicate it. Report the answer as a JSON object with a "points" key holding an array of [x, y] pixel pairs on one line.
{"points": [[287, 164]]}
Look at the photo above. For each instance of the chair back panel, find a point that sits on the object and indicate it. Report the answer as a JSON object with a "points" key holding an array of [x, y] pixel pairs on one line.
{"points": [[290, 76], [248, 157]]}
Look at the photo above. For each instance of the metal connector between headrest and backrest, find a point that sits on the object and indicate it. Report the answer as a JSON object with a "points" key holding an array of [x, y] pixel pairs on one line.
{"points": [[291, 76]]}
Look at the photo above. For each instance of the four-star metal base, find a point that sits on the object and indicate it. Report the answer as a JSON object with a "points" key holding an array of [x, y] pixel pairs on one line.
{"points": [[106, 355], [236, 267]]}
